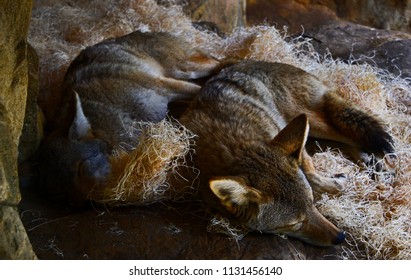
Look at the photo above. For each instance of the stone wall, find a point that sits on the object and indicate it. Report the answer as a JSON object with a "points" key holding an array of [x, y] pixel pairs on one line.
{"points": [[382, 14], [14, 23], [227, 14]]}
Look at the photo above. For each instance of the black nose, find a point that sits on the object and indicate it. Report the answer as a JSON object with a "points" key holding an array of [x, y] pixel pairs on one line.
{"points": [[340, 238]]}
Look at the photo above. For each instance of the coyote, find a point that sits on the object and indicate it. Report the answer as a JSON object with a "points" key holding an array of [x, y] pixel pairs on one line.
{"points": [[107, 88], [252, 121]]}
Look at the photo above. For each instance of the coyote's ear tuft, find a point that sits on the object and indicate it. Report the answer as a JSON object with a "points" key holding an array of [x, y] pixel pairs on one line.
{"points": [[234, 193], [293, 137], [80, 128]]}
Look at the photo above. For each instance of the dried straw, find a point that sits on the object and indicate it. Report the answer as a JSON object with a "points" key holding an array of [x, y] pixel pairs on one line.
{"points": [[222, 225], [141, 176]]}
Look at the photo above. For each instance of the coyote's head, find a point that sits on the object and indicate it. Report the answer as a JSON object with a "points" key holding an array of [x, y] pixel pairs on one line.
{"points": [[267, 191], [75, 161]]}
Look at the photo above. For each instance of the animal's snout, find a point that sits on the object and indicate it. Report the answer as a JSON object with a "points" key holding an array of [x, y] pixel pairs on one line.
{"points": [[96, 168], [317, 230], [340, 238], [92, 171]]}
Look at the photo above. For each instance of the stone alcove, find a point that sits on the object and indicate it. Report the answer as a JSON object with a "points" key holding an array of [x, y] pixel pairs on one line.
{"points": [[17, 102], [16, 75]]}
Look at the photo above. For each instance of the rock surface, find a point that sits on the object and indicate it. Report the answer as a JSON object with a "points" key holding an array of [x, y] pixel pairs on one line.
{"points": [[394, 56], [14, 243], [389, 50], [175, 231], [14, 21], [227, 15], [33, 120], [383, 14], [295, 15]]}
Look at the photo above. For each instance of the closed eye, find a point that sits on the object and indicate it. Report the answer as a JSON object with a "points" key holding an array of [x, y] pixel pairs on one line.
{"points": [[289, 228], [296, 226]]}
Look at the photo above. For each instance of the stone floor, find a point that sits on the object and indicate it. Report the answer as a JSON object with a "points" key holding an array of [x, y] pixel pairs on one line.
{"points": [[160, 231]]}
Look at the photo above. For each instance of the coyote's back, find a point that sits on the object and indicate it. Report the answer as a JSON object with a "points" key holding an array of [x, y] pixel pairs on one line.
{"points": [[108, 88]]}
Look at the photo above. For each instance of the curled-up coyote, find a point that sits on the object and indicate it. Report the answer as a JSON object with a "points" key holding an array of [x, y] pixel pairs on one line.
{"points": [[107, 88], [252, 121]]}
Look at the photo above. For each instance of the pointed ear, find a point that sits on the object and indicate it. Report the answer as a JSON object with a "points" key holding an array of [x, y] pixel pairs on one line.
{"points": [[293, 137], [233, 192], [80, 127], [199, 65]]}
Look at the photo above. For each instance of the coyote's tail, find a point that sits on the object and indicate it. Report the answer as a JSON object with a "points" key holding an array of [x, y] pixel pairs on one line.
{"points": [[357, 124]]}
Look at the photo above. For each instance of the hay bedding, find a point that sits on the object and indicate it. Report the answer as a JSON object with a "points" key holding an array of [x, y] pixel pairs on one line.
{"points": [[141, 176], [376, 212]]}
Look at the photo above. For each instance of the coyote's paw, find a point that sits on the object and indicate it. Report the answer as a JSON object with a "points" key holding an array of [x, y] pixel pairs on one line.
{"points": [[322, 184], [377, 166], [337, 184]]}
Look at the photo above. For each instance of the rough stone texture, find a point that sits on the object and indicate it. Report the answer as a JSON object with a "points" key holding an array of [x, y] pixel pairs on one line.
{"points": [[342, 38], [385, 49], [13, 91], [14, 243], [33, 120], [227, 15], [295, 15], [394, 56], [175, 231], [383, 14], [14, 21]]}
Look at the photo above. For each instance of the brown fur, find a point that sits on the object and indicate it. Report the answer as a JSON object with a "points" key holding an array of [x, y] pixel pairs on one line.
{"points": [[252, 124], [107, 89]]}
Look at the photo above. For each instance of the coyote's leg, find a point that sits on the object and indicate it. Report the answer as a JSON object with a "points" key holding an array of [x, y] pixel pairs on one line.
{"points": [[198, 68], [355, 153], [363, 135], [180, 87], [320, 184]]}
